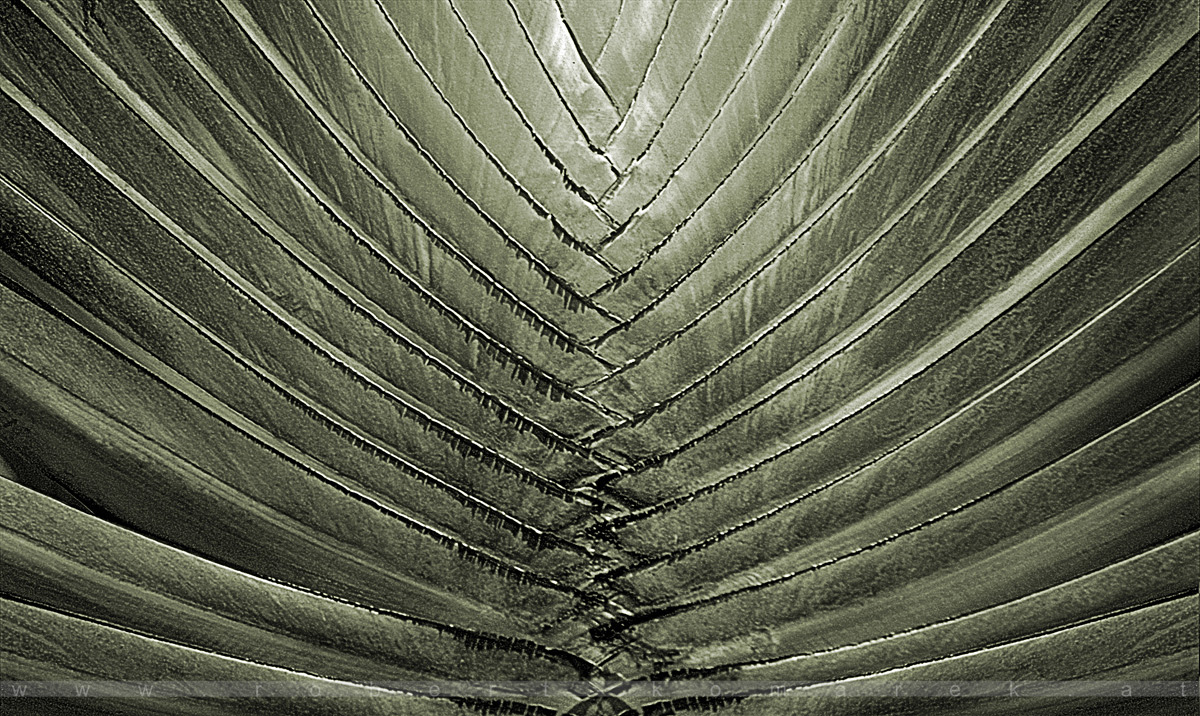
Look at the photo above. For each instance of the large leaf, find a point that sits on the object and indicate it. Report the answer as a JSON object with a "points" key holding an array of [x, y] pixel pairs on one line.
{"points": [[535, 356]]}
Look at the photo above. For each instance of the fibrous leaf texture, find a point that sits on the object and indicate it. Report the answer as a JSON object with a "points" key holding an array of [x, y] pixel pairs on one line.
{"points": [[626, 357]]}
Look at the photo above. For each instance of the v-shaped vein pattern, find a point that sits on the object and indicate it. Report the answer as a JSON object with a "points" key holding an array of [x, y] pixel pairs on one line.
{"points": [[563, 340]]}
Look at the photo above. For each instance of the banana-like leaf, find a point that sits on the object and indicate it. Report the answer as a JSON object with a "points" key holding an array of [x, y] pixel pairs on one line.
{"points": [[614, 357]]}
